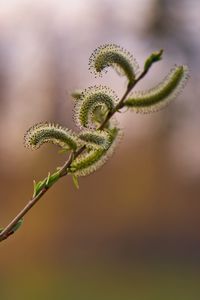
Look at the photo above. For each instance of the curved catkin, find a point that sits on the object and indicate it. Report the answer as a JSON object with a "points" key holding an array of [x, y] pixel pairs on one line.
{"points": [[160, 96], [49, 133], [95, 139], [90, 100], [92, 160], [111, 55]]}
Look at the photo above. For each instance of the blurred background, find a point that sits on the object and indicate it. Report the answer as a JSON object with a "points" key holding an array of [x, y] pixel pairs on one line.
{"points": [[132, 229]]}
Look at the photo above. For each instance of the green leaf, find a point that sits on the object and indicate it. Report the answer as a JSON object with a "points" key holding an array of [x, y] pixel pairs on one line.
{"points": [[53, 178], [34, 188], [77, 94], [46, 183], [48, 177], [75, 181], [17, 226], [37, 187], [154, 57]]}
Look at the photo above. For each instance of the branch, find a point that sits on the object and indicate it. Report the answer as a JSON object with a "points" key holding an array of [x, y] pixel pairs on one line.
{"points": [[9, 229], [121, 102]]}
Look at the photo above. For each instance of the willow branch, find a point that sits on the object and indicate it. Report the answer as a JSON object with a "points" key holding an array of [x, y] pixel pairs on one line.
{"points": [[8, 230]]}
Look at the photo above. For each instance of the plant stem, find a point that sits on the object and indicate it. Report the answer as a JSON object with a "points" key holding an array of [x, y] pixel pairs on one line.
{"points": [[7, 231], [120, 104]]}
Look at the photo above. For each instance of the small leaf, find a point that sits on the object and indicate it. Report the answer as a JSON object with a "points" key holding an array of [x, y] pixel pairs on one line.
{"points": [[75, 181], [154, 57], [48, 177], [46, 183], [34, 188], [53, 178], [77, 94], [16, 226], [40, 185]]}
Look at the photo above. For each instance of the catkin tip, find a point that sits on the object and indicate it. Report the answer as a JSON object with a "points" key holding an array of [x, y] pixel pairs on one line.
{"points": [[111, 55]]}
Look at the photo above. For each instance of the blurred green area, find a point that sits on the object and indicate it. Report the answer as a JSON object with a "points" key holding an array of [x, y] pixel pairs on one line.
{"points": [[132, 229], [137, 281]]}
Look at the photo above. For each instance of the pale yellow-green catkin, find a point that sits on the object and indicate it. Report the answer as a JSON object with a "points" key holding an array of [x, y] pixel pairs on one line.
{"points": [[111, 55], [50, 133], [91, 99], [95, 139], [92, 160], [160, 96]]}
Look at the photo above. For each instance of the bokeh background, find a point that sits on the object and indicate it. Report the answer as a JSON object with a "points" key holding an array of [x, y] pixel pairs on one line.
{"points": [[132, 229]]}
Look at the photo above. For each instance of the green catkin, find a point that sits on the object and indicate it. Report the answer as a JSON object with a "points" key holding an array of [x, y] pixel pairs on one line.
{"points": [[49, 133], [91, 99], [111, 55], [92, 160], [160, 96], [95, 139]]}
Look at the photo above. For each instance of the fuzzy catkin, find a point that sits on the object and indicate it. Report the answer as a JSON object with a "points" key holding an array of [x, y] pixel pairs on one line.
{"points": [[111, 55], [160, 96], [50, 133]]}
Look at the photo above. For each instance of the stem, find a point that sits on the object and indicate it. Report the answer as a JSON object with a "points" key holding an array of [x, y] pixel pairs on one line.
{"points": [[7, 231], [120, 104]]}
